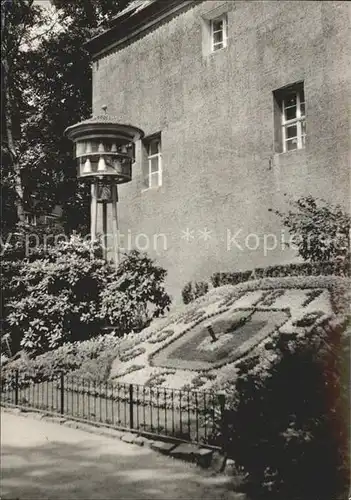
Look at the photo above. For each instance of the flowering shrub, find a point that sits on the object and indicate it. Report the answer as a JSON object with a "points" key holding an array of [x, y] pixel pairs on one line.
{"points": [[58, 299], [271, 298], [136, 293], [293, 293], [69, 293], [190, 316], [96, 370], [308, 319], [161, 336], [131, 354], [201, 379], [313, 294], [130, 369], [89, 358], [158, 378]]}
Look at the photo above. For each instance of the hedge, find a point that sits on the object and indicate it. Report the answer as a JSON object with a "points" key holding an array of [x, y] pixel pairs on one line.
{"points": [[284, 270]]}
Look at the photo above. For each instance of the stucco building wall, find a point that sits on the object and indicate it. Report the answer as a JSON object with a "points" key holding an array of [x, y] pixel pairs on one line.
{"points": [[215, 114]]}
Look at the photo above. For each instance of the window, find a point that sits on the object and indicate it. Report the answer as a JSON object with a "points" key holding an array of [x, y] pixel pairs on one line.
{"points": [[31, 219], [152, 168], [290, 118], [218, 33], [214, 27], [50, 220]]}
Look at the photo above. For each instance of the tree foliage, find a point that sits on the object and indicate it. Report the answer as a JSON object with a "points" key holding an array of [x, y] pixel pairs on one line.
{"points": [[288, 419], [136, 295], [194, 290], [45, 88], [64, 292], [321, 231], [17, 20]]}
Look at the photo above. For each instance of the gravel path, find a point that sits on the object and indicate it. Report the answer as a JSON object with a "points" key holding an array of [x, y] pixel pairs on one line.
{"points": [[42, 460]]}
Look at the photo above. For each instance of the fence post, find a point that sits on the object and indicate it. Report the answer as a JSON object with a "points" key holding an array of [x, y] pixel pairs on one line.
{"points": [[131, 415], [221, 398], [16, 388], [62, 393]]}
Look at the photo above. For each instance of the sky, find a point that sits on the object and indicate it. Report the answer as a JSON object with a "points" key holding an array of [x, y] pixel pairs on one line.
{"points": [[52, 21]]}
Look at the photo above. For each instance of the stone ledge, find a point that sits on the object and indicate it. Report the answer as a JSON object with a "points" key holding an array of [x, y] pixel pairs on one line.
{"points": [[54, 420], [129, 437], [148, 442], [15, 411], [204, 457], [36, 415], [70, 423], [162, 447], [192, 453], [139, 440], [184, 451], [109, 432]]}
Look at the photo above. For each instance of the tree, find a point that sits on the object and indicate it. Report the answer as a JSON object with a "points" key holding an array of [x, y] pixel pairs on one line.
{"points": [[62, 90], [321, 231], [38, 105], [16, 20]]}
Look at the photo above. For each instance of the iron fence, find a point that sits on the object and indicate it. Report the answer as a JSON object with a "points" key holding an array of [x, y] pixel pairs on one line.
{"points": [[185, 415]]}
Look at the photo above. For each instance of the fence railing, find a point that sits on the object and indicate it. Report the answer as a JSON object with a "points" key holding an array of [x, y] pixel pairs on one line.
{"points": [[185, 415]]}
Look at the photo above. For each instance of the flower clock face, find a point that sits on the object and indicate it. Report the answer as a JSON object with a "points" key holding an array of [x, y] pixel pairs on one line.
{"points": [[200, 346], [219, 341]]}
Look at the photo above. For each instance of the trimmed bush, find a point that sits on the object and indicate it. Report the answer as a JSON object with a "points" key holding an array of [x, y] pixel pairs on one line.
{"points": [[285, 270], [194, 290]]}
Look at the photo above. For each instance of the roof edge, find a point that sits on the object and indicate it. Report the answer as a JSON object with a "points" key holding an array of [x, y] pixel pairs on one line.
{"points": [[123, 30]]}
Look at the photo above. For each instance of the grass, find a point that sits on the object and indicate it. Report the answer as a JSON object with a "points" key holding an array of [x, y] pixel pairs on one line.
{"points": [[186, 352]]}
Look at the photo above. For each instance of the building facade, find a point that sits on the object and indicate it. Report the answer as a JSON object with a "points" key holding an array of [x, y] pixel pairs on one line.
{"points": [[241, 103]]}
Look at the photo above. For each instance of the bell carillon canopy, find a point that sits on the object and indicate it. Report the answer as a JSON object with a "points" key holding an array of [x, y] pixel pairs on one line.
{"points": [[104, 148]]}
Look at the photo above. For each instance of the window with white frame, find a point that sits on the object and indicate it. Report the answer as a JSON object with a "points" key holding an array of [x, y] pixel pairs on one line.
{"points": [[152, 168], [30, 218], [290, 118], [50, 220], [219, 32]]}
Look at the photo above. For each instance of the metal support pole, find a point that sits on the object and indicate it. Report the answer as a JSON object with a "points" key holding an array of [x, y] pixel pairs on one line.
{"points": [[115, 224], [16, 387], [93, 212], [104, 230]]}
